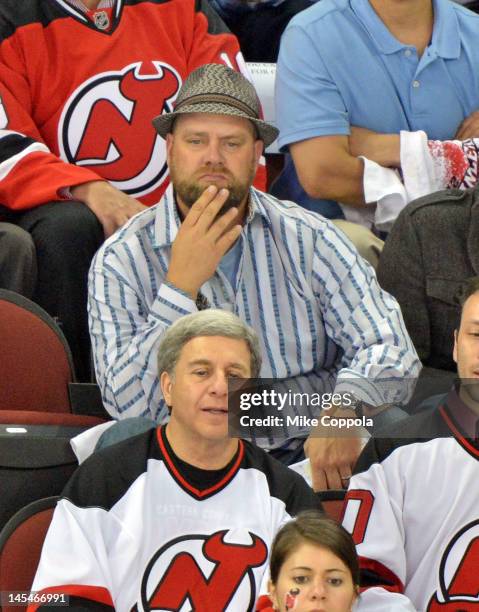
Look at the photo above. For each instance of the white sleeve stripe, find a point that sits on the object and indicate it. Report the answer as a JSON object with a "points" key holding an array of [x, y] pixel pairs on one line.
{"points": [[7, 166]]}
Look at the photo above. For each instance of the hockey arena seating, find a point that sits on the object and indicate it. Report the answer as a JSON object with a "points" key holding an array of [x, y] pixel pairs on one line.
{"points": [[21, 542]]}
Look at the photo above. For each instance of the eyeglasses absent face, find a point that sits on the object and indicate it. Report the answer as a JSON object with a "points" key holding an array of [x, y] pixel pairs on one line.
{"points": [[198, 389], [466, 349], [216, 150], [313, 579]]}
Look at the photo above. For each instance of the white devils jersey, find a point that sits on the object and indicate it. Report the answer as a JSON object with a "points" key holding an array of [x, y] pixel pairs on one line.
{"points": [[413, 510], [138, 529]]}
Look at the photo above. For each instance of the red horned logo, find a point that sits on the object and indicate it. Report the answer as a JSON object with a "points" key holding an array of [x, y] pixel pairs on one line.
{"points": [[184, 580], [459, 574], [106, 125]]}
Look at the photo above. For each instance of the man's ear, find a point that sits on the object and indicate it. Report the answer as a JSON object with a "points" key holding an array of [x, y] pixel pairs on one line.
{"points": [[454, 350], [166, 382], [258, 150]]}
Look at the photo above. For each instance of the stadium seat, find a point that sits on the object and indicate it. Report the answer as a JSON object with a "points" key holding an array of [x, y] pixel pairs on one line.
{"points": [[36, 458], [30, 417], [333, 502], [21, 542], [35, 360]]}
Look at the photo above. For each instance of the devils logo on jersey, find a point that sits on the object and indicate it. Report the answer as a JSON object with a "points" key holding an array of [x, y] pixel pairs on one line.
{"points": [[106, 125], [205, 573], [458, 574]]}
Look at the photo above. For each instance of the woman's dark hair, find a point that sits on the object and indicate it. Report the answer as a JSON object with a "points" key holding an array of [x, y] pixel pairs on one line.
{"points": [[314, 528]]}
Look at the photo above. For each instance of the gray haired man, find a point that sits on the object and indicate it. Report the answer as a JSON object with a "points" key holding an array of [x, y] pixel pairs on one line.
{"points": [[214, 241], [181, 516]]}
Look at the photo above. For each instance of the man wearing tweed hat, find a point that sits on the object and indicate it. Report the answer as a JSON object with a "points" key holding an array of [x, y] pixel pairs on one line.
{"points": [[215, 241]]}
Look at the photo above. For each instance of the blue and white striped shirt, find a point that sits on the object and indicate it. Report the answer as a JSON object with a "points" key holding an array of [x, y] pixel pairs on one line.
{"points": [[314, 302]]}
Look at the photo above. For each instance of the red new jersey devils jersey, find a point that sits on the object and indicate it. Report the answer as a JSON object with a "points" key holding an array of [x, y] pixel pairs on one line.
{"points": [[137, 529], [79, 90]]}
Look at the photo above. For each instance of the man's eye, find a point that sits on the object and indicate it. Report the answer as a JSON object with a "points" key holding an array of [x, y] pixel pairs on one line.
{"points": [[200, 372], [232, 144], [194, 141]]}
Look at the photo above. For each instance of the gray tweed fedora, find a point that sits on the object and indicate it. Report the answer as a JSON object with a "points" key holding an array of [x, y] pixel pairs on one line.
{"points": [[217, 90]]}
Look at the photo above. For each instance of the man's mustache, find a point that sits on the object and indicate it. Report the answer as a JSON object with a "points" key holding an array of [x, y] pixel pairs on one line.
{"points": [[213, 170]]}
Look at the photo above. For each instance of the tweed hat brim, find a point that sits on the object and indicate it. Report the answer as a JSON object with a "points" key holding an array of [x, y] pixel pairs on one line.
{"points": [[163, 123]]}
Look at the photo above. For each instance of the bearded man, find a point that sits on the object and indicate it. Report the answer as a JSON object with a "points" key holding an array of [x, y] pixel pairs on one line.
{"points": [[214, 241]]}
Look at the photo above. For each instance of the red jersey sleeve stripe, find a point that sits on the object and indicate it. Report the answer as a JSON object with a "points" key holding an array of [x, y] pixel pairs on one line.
{"points": [[457, 434], [83, 591], [384, 576]]}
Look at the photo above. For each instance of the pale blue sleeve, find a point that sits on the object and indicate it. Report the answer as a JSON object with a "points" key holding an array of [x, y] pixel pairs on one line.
{"points": [[126, 333], [308, 102]]}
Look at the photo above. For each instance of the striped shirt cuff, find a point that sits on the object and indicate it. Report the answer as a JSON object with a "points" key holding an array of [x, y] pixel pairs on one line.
{"points": [[362, 389], [172, 303]]}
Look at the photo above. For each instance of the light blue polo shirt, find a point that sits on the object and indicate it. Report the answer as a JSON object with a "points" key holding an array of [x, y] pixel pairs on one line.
{"points": [[339, 66]]}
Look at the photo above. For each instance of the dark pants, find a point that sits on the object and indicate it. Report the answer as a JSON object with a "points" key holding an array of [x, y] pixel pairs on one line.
{"points": [[287, 187], [18, 262], [66, 236]]}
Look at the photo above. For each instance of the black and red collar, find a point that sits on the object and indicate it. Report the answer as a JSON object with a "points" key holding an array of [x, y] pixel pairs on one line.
{"points": [[461, 421], [180, 470], [77, 11]]}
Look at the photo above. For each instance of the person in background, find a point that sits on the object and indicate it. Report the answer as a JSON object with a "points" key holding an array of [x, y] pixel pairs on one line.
{"points": [[18, 260], [78, 153], [259, 24], [412, 504], [382, 65], [428, 259]]}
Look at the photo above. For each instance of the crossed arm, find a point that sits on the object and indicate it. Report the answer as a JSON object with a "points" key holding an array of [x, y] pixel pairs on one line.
{"points": [[315, 125], [329, 166]]}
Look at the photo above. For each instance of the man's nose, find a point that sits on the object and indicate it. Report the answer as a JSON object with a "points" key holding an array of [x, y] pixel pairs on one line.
{"points": [[219, 384], [213, 153]]}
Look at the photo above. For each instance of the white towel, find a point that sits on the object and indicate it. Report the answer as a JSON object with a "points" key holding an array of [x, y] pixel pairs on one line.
{"points": [[426, 166]]}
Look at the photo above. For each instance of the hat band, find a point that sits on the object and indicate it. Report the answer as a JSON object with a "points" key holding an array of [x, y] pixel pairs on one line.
{"points": [[219, 98]]}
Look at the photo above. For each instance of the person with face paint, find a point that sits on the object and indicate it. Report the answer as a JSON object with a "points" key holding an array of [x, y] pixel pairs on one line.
{"points": [[313, 567]]}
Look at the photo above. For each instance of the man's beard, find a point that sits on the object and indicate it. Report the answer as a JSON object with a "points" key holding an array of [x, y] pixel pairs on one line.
{"points": [[189, 190]]}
